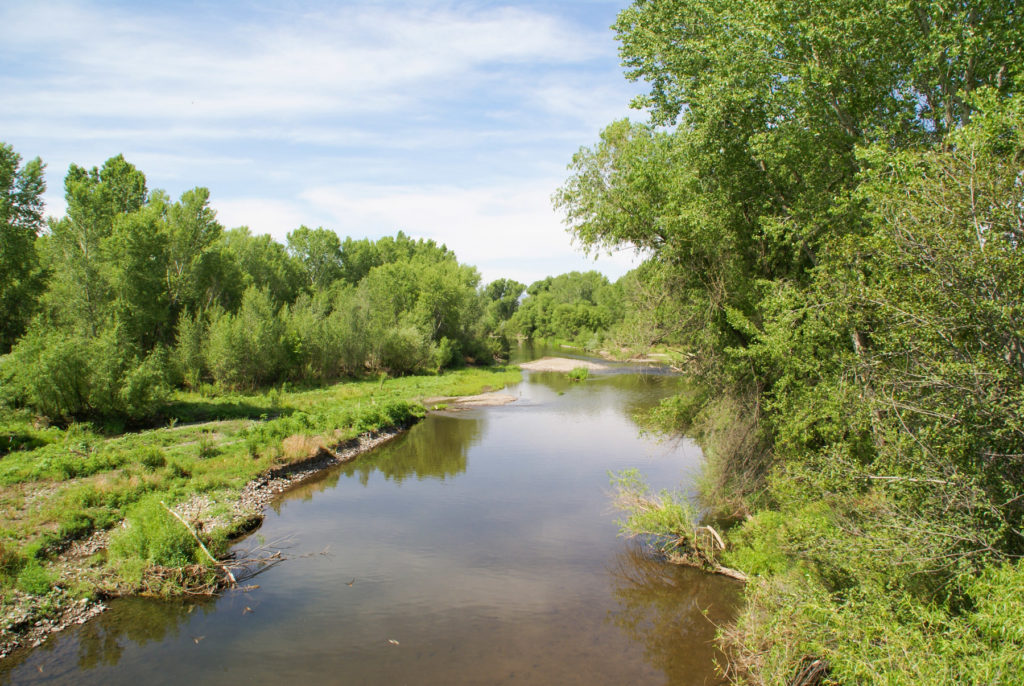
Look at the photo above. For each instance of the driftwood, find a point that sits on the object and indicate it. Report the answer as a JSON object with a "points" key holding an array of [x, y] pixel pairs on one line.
{"points": [[811, 671], [214, 560]]}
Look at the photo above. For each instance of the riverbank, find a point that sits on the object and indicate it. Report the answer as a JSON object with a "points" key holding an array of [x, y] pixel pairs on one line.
{"points": [[67, 492]]}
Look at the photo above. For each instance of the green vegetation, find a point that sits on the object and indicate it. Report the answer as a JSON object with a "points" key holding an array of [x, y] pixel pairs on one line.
{"points": [[61, 485], [131, 295], [151, 359], [830, 198], [578, 374], [575, 307]]}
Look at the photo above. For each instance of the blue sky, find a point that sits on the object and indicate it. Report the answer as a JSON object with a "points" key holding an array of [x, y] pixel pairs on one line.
{"points": [[448, 120]]}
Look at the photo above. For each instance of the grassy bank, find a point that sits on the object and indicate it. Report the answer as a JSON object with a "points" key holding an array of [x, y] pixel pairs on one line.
{"points": [[841, 588], [60, 487]]}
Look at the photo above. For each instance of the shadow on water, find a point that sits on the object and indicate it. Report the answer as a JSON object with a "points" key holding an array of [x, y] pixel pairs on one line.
{"points": [[102, 641], [672, 611]]}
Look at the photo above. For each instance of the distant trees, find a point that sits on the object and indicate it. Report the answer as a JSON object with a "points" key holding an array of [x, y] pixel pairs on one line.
{"points": [[131, 294], [573, 307]]}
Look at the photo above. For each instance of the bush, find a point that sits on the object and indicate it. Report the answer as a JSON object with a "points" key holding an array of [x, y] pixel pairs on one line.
{"points": [[65, 376], [150, 457], [154, 536], [188, 350], [403, 350], [579, 374], [249, 348]]}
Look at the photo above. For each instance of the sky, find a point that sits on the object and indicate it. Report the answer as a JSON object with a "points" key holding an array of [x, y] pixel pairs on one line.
{"points": [[453, 121]]}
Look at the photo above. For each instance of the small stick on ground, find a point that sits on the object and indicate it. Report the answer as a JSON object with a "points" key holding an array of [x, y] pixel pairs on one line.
{"points": [[200, 542]]}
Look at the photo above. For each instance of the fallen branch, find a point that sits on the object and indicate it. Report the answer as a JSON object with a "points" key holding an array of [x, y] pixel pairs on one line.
{"points": [[215, 561]]}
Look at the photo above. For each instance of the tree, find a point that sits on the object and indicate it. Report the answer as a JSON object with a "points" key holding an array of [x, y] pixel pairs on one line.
{"points": [[78, 250], [319, 252], [193, 264], [21, 222], [501, 300], [263, 263]]}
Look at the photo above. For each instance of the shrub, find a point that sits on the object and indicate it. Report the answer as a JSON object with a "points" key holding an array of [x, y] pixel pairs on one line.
{"points": [[188, 349], [404, 349], [64, 376], [151, 457], [153, 535], [579, 374], [248, 348]]}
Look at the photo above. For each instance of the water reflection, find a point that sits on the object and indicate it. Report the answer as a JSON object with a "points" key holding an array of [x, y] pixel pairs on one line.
{"points": [[102, 641], [437, 448], [672, 612]]}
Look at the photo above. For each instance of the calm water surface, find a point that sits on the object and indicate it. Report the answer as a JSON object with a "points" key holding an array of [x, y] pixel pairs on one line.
{"points": [[478, 548]]}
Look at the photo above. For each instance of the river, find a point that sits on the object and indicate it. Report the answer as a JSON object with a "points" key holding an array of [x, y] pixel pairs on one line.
{"points": [[477, 548]]}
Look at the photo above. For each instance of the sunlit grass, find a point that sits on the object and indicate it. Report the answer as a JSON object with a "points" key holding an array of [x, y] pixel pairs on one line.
{"points": [[61, 484]]}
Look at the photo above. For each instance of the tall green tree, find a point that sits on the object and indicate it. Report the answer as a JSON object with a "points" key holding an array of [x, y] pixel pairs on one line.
{"points": [[21, 222], [78, 251], [194, 270], [319, 252]]}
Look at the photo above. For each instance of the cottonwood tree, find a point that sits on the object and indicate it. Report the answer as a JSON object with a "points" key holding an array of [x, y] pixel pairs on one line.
{"points": [[21, 222]]}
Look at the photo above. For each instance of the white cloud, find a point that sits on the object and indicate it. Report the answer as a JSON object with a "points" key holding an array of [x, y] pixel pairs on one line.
{"points": [[350, 59], [464, 112], [262, 215], [494, 228]]}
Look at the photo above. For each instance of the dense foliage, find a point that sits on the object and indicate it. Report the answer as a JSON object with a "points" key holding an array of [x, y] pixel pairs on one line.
{"points": [[832, 200], [576, 307], [131, 295]]}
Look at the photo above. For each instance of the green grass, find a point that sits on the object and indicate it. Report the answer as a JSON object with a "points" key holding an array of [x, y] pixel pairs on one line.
{"points": [[58, 485], [578, 374]]}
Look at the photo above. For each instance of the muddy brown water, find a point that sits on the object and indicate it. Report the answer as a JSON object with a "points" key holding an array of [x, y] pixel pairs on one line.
{"points": [[478, 548]]}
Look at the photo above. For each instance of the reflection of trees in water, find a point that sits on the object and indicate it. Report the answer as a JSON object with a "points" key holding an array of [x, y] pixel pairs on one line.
{"points": [[672, 611], [136, 619], [99, 642], [435, 448], [631, 393]]}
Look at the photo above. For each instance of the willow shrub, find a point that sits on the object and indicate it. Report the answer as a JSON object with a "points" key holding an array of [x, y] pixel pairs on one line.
{"points": [[248, 348], [65, 376]]}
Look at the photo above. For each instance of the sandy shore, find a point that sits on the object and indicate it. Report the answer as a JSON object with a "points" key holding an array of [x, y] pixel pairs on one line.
{"points": [[561, 364], [465, 402]]}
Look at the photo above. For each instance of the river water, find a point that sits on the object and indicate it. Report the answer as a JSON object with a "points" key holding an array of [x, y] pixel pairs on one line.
{"points": [[477, 548]]}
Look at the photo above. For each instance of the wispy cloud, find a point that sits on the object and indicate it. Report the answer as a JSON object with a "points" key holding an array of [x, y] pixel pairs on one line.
{"points": [[449, 120], [345, 60]]}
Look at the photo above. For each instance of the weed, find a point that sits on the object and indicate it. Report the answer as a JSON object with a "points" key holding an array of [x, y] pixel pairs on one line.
{"points": [[207, 446], [34, 578], [151, 458], [579, 374], [154, 536]]}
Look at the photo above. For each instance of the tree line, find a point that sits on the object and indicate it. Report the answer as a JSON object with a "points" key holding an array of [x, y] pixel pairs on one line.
{"points": [[831, 198], [129, 295]]}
